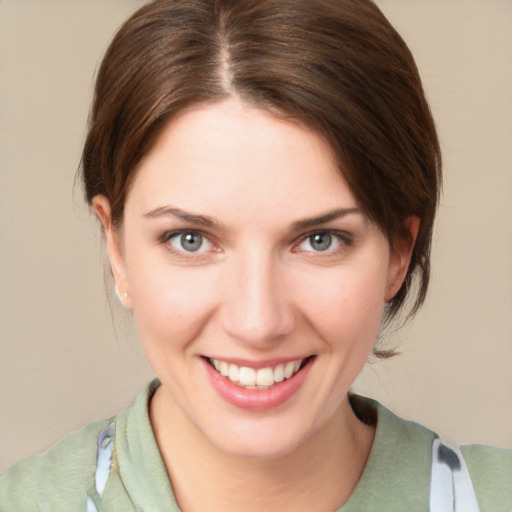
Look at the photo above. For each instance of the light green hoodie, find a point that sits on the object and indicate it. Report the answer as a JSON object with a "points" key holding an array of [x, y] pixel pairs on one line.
{"points": [[396, 477]]}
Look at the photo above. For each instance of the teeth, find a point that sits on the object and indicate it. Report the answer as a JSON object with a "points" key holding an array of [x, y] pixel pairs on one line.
{"points": [[224, 369], [288, 369], [279, 373], [247, 376], [265, 377], [250, 378], [234, 373]]}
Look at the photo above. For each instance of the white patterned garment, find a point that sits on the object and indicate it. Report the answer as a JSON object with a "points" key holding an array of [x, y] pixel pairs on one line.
{"points": [[451, 488], [105, 450]]}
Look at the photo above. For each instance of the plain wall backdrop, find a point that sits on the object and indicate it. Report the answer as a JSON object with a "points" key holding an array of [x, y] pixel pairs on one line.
{"points": [[64, 361]]}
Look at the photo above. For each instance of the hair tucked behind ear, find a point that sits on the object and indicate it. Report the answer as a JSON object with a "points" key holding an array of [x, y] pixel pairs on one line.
{"points": [[337, 66]]}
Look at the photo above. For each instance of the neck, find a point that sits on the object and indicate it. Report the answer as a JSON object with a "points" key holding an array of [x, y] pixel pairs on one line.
{"points": [[318, 475]]}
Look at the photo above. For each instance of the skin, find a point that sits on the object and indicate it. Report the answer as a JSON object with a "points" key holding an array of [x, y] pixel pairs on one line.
{"points": [[257, 290]]}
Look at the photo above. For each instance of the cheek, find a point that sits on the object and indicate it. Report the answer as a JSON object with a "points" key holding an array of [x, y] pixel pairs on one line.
{"points": [[346, 306], [170, 303]]}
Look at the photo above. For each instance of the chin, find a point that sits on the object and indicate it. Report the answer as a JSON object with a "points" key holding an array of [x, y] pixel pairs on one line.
{"points": [[262, 448], [266, 439]]}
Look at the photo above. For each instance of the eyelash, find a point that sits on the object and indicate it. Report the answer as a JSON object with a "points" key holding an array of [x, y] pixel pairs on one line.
{"points": [[343, 240], [167, 237]]}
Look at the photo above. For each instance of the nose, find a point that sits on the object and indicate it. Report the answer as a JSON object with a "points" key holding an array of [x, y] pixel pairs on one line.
{"points": [[256, 308]]}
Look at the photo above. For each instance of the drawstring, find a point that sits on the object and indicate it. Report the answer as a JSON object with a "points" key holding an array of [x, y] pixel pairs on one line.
{"points": [[451, 489], [104, 462]]}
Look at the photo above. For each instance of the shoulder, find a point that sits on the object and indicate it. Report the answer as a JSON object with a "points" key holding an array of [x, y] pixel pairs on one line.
{"points": [[390, 427], [61, 474], [397, 473], [74, 472], [491, 473]]}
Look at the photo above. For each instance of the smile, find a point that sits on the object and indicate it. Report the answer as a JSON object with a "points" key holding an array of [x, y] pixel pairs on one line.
{"points": [[262, 378], [257, 387]]}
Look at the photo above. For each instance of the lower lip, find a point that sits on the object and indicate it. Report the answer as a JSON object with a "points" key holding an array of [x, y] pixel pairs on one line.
{"points": [[257, 399]]}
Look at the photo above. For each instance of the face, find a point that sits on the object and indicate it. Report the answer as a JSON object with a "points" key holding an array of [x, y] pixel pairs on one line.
{"points": [[256, 281]]}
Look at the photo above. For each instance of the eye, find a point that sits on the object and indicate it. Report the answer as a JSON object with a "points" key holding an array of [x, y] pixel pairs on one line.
{"points": [[322, 241], [188, 241]]}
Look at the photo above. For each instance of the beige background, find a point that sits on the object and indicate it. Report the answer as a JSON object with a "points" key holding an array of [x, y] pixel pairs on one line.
{"points": [[62, 362]]}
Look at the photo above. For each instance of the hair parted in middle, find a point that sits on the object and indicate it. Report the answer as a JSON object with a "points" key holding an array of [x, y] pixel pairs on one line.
{"points": [[337, 67]]}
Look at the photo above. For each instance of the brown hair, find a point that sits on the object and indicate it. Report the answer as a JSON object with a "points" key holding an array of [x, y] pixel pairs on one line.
{"points": [[337, 66]]}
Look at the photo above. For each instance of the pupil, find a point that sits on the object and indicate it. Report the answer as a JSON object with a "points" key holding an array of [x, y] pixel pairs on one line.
{"points": [[321, 241], [191, 241]]}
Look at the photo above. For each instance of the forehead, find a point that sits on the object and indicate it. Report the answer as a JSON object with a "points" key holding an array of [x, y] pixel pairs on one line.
{"points": [[231, 154]]}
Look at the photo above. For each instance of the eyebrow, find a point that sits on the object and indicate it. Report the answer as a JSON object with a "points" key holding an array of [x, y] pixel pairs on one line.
{"points": [[209, 222], [324, 217], [200, 220]]}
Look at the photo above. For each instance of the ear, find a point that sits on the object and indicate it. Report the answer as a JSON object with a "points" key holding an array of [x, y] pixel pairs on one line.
{"points": [[401, 257], [101, 207]]}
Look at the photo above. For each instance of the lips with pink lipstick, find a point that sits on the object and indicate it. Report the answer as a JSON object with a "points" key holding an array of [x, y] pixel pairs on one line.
{"points": [[257, 386]]}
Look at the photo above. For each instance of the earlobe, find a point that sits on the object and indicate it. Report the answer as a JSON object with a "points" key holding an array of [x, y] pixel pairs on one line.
{"points": [[101, 207], [400, 257]]}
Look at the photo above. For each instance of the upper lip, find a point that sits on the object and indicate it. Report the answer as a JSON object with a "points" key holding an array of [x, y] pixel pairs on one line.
{"points": [[257, 364]]}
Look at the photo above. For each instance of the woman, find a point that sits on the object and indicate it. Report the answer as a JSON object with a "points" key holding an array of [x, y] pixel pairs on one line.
{"points": [[266, 175]]}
